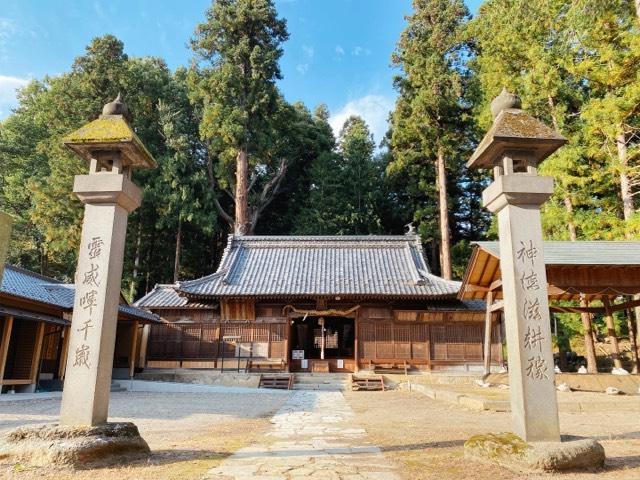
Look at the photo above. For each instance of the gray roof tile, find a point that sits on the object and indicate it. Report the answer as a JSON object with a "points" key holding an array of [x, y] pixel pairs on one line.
{"points": [[582, 252], [356, 266], [23, 283]]}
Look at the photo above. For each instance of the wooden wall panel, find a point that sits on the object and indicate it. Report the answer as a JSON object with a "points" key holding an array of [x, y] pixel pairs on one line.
{"points": [[237, 310]]}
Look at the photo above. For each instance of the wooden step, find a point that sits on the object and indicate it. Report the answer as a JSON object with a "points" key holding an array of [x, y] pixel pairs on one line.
{"points": [[367, 382], [282, 382]]}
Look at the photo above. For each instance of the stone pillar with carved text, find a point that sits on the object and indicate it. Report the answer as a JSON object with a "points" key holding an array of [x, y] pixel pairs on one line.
{"points": [[112, 149], [513, 148]]}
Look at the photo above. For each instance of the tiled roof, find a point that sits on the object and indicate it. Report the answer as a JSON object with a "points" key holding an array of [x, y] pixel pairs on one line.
{"points": [[166, 296], [23, 283], [297, 266], [582, 252]]}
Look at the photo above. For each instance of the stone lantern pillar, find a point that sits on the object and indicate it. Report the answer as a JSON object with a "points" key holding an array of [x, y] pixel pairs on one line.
{"points": [[112, 150], [513, 148]]}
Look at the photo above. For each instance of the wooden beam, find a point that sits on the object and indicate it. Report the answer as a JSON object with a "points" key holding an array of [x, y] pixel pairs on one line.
{"points": [[496, 284], [487, 333], [496, 306], [599, 310], [4, 344], [37, 351], [132, 353]]}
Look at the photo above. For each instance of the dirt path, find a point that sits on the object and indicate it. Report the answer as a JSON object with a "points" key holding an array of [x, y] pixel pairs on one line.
{"points": [[188, 433], [424, 438]]}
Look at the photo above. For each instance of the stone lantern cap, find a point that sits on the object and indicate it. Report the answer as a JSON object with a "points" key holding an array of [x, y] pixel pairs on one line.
{"points": [[111, 132], [514, 130]]}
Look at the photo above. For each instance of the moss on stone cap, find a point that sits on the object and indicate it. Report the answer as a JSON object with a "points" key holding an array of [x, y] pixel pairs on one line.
{"points": [[110, 132]]}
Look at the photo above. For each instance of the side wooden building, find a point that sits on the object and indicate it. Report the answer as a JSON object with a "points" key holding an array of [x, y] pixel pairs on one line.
{"points": [[35, 318]]}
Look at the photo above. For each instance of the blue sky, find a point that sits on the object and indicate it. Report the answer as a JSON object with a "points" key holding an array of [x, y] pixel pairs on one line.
{"points": [[338, 53]]}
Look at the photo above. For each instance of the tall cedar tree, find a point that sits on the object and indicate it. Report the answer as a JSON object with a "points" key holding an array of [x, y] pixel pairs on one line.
{"points": [[428, 122], [237, 52]]}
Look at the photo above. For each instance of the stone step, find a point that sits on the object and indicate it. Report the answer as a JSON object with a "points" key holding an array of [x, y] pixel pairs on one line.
{"points": [[320, 386], [116, 387]]}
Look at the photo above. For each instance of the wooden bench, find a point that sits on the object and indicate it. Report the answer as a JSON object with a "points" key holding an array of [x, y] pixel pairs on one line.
{"points": [[281, 381], [367, 382], [390, 366], [265, 364]]}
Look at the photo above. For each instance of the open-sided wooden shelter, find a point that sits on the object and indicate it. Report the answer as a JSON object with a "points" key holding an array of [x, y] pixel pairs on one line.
{"points": [[35, 317], [577, 272], [318, 303]]}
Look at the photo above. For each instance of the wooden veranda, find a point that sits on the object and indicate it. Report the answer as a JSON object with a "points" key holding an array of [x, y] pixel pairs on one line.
{"points": [[578, 275]]}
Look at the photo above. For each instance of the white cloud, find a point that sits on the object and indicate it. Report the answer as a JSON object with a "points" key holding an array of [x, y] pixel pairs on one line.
{"points": [[302, 68], [360, 51], [374, 109], [8, 87], [308, 51], [339, 50]]}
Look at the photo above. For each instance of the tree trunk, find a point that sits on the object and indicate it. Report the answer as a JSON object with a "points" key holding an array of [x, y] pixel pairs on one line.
{"points": [[136, 262], [625, 183], [445, 245], [592, 365], [242, 193], [633, 341], [611, 333], [638, 9], [573, 233], [176, 263]]}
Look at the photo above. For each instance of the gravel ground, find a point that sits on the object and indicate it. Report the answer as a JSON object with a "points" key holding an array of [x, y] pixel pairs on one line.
{"points": [[425, 438], [188, 433]]}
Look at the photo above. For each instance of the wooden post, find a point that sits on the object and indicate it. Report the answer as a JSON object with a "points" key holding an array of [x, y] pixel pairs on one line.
{"points": [[37, 351], [633, 340], [488, 317], [611, 332], [4, 344], [356, 349], [132, 353], [142, 354], [64, 352]]}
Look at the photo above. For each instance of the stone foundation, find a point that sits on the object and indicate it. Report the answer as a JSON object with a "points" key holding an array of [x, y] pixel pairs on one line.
{"points": [[510, 451], [77, 447]]}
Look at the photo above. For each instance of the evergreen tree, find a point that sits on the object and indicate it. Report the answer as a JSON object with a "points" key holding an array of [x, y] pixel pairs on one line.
{"points": [[237, 52], [429, 122], [345, 194]]}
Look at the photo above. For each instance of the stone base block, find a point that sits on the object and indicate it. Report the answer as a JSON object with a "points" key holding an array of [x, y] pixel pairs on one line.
{"points": [[73, 446], [510, 451]]}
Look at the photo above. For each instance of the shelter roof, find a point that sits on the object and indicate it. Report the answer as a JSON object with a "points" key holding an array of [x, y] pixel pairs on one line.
{"points": [[166, 296], [22, 283], [592, 268], [303, 266]]}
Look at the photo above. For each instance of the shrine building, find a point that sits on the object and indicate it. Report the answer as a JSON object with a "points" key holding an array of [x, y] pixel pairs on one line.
{"points": [[318, 304]]}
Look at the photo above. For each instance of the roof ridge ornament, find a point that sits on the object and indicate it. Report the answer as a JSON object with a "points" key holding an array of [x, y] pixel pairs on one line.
{"points": [[505, 101]]}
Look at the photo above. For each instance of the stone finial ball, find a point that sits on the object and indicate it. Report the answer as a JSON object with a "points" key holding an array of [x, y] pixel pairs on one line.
{"points": [[505, 101], [116, 107]]}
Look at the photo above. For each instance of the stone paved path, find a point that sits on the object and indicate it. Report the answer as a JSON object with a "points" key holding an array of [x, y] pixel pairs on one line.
{"points": [[313, 437]]}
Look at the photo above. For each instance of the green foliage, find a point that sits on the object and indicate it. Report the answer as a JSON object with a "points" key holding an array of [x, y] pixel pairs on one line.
{"points": [[433, 117], [344, 196]]}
